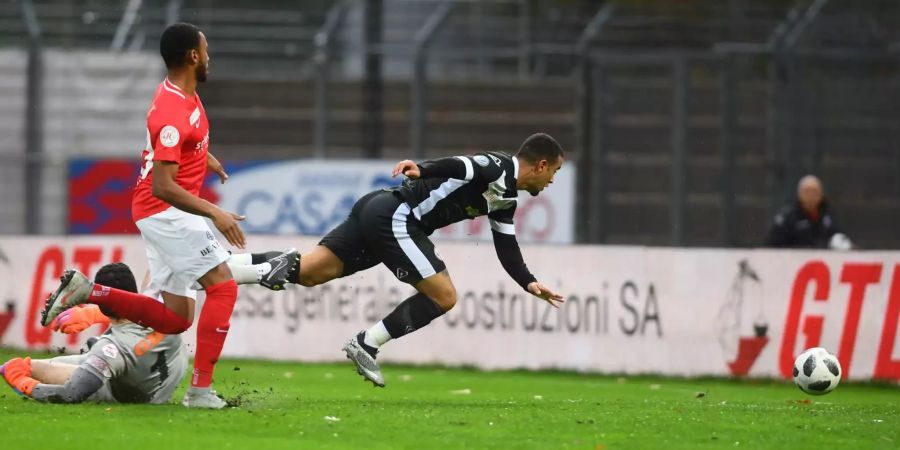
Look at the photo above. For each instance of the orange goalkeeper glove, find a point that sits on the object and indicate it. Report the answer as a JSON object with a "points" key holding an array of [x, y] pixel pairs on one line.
{"points": [[17, 373], [76, 320]]}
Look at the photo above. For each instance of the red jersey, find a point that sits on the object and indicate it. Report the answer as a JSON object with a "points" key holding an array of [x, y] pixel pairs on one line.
{"points": [[177, 131]]}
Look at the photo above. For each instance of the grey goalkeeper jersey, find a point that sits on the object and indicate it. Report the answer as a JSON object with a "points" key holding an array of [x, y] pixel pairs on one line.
{"points": [[139, 364]]}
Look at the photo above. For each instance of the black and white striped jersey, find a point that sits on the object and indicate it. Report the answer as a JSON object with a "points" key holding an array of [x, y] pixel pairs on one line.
{"points": [[453, 189]]}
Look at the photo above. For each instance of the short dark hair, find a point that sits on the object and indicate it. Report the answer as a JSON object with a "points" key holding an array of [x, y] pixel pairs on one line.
{"points": [[115, 275], [540, 146], [176, 41]]}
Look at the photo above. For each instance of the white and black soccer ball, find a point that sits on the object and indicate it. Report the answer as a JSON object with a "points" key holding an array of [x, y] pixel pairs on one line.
{"points": [[816, 371]]}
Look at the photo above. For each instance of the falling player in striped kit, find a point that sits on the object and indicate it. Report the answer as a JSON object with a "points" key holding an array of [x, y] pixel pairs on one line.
{"points": [[392, 226]]}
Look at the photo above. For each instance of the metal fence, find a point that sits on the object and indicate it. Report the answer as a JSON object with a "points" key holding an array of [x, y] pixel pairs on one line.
{"points": [[703, 148], [681, 135]]}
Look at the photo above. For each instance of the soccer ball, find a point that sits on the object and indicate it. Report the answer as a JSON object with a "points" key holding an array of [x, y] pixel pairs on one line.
{"points": [[816, 371]]}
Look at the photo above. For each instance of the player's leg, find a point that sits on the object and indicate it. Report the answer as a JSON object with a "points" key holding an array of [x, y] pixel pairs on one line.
{"points": [[268, 269], [319, 266], [436, 296], [197, 260], [411, 257], [170, 317], [55, 381], [53, 371], [17, 374], [163, 238], [342, 252], [214, 322]]}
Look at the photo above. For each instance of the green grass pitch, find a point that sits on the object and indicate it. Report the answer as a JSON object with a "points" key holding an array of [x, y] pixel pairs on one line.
{"points": [[289, 405]]}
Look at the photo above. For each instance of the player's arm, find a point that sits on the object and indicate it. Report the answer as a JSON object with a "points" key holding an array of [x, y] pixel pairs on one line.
{"points": [[510, 256], [78, 319], [166, 189], [459, 167], [213, 165]]}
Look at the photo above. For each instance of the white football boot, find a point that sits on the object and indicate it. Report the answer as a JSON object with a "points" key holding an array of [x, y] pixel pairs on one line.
{"points": [[74, 289]]}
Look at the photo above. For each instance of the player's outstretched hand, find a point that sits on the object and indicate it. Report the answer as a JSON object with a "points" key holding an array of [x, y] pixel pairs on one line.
{"points": [[539, 290], [214, 165], [76, 320], [406, 167], [227, 223]]}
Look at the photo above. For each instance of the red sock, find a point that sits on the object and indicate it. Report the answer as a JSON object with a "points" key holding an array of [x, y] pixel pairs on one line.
{"points": [[212, 329], [140, 309]]}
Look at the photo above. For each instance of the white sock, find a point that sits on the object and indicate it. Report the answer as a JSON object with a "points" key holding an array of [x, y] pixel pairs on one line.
{"points": [[262, 269], [248, 274], [241, 259], [377, 335]]}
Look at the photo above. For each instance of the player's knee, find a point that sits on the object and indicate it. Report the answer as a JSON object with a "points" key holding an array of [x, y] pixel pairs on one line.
{"points": [[445, 298]]}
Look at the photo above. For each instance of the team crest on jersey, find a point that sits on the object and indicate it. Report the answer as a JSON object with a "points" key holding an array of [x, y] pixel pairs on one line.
{"points": [[169, 136], [110, 350], [481, 160], [472, 212]]}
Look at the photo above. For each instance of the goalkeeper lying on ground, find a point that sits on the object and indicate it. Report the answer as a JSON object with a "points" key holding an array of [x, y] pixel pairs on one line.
{"points": [[127, 364]]}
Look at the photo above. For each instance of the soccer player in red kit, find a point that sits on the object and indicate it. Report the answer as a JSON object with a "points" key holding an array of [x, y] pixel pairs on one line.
{"points": [[182, 251]]}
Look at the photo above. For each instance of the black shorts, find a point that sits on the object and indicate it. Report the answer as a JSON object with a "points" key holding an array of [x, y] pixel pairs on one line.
{"points": [[382, 229]]}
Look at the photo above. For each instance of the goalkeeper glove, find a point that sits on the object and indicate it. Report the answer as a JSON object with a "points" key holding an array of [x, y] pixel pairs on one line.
{"points": [[76, 320]]}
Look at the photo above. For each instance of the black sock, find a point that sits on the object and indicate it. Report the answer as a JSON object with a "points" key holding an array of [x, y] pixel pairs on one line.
{"points": [[259, 258], [414, 313]]}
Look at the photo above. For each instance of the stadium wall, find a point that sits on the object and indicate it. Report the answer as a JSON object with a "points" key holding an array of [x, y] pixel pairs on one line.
{"points": [[673, 311]]}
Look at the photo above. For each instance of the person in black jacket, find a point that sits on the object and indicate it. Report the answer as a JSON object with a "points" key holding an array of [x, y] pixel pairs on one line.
{"points": [[808, 222]]}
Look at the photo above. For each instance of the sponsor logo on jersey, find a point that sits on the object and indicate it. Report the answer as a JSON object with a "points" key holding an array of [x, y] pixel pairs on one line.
{"points": [[200, 145], [110, 350], [496, 159], [481, 160], [472, 211], [401, 274], [169, 136]]}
